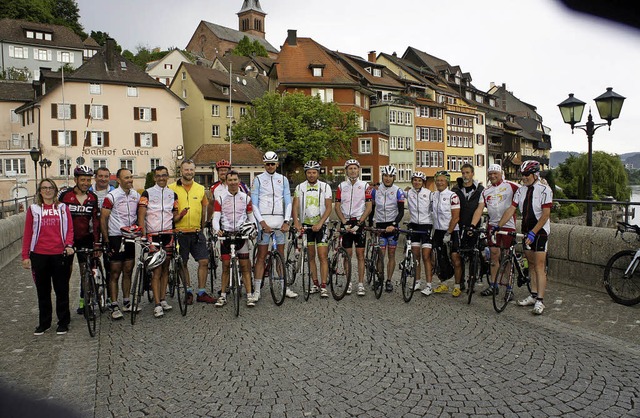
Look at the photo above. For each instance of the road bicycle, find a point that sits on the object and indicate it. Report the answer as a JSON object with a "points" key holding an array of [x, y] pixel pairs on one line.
{"points": [[214, 257], [141, 273], [94, 288], [177, 279], [472, 255], [375, 267], [622, 273], [408, 265], [510, 271], [293, 257], [235, 275], [275, 270], [339, 263]]}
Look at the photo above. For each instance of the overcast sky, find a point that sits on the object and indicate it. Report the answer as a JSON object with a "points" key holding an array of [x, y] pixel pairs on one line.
{"points": [[540, 50]]}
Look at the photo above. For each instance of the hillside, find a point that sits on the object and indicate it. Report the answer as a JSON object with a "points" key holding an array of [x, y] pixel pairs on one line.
{"points": [[558, 157]]}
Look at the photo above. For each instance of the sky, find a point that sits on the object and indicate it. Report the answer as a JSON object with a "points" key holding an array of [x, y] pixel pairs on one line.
{"points": [[538, 48]]}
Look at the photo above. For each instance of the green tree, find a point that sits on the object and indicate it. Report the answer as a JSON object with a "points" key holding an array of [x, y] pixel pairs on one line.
{"points": [[308, 128], [67, 13], [247, 48], [149, 180]]}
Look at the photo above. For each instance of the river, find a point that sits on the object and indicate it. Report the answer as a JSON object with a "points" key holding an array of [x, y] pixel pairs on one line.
{"points": [[635, 197]]}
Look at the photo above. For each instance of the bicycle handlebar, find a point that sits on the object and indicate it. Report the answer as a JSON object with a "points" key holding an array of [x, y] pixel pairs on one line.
{"points": [[512, 234]]}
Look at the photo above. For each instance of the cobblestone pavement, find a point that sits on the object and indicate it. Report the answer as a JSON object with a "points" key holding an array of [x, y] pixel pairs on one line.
{"points": [[436, 356]]}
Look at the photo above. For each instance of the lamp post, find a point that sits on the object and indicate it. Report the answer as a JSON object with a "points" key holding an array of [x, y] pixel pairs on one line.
{"points": [[35, 156], [609, 106], [45, 163], [282, 155]]}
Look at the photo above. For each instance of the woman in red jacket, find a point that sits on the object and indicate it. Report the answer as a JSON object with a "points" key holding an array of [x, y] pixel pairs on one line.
{"points": [[47, 241]]}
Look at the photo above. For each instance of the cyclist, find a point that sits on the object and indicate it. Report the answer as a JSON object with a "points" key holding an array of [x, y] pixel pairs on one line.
{"points": [[83, 206], [534, 201], [119, 209], [190, 221], [446, 214], [101, 188], [497, 199], [389, 200], [271, 201], [353, 206], [222, 167], [157, 211], [233, 213], [420, 204], [312, 205]]}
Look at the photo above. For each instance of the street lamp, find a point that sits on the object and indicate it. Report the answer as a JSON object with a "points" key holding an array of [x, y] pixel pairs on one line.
{"points": [[44, 164], [35, 156], [609, 106], [282, 156]]}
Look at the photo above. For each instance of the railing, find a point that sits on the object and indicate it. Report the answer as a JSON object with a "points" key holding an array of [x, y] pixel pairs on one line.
{"points": [[14, 206], [628, 214], [10, 144]]}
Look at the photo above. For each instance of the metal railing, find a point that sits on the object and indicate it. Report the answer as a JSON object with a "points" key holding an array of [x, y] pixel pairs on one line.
{"points": [[11, 144], [628, 213], [14, 206]]}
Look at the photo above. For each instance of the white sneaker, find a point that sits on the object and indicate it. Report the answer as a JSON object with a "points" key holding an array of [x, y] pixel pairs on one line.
{"points": [[290, 293], [252, 297], [418, 286], [127, 307], [314, 289], [324, 293], [165, 305], [349, 289], [116, 313], [538, 308], [256, 294], [251, 302], [222, 300], [528, 301], [360, 289], [427, 291], [158, 312]]}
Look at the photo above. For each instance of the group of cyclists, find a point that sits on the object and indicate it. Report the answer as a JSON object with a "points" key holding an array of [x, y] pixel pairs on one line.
{"points": [[104, 216]]}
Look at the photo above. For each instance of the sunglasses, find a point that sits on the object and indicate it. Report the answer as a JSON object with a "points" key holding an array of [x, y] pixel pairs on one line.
{"points": [[269, 163]]}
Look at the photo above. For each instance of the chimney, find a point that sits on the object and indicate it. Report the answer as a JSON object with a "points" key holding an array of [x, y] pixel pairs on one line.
{"points": [[372, 56], [110, 54], [292, 37], [492, 85], [395, 54]]}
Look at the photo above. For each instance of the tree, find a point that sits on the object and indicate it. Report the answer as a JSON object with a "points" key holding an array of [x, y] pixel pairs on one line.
{"points": [[308, 128], [247, 48], [57, 12], [67, 13]]}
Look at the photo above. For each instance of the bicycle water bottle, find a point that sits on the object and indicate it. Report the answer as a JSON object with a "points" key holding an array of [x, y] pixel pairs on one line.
{"points": [[487, 254]]}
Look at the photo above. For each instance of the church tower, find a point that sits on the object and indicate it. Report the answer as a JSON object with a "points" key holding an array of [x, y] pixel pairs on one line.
{"points": [[251, 18]]}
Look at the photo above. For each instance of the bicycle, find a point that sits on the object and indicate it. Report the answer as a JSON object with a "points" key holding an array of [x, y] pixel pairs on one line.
{"points": [[511, 268], [235, 275], [339, 264], [472, 254], [622, 275], [177, 280], [141, 273], [214, 256], [95, 288], [276, 271], [408, 265], [293, 260], [375, 268]]}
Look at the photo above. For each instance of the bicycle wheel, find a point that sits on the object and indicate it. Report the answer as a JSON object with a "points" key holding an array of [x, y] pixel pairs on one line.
{"points": [[212, 270], [623, 286], [277, 277], [235, 286], [378, 268], [173, 278], [305, 271], [474, 275], [293, 256], [181, 288], [136, 292], [504, 279], [89, 301], [408, 277], [340, 273], [147, 286], [101, 286], [368, 255]]}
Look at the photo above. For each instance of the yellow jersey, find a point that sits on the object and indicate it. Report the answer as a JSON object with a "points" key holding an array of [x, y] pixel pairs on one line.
{"points": [[194, 198]]}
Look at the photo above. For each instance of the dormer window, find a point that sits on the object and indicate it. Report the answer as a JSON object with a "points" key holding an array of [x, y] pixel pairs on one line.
{"points": [[317, 69], [225, 91], [368, 69], [30, 34], [377, 72]]}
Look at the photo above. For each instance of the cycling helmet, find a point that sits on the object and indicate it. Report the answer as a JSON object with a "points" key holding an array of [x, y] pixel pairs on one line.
{"points": [[442, 173], [82, 170], [156, 259], [494, 168], [223, 164], [351, 162], [389, 170], [419, 174], [248, 229], [131, 232], [530, 167], [270, 157], [312, 165]]}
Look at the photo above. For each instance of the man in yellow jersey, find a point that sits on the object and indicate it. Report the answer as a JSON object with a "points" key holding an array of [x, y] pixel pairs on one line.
{"points": [[191, 204]]}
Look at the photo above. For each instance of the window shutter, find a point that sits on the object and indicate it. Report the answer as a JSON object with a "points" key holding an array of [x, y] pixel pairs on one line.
{"points": [[329, 95], [154, 140], [74, 138], [105, 136], [105, 112], [136, 141], [59, 56], [25, 52], [136, 113], [54, 111], [48, 55], [11, 51], [73, 111], [71, 56], [54, 138], [154, 114], [87, 111]]}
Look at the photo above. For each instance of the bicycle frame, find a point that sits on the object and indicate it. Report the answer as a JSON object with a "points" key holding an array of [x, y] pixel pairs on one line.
{"points": [[235, 277]]}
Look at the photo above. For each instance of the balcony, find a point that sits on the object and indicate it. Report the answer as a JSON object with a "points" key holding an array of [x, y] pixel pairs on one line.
{"points": [[542, 145], [15, 144]]}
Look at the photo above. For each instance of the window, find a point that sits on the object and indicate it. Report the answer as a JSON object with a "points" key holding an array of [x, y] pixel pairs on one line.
{"points": [[65, 57], [366, 174], [492, 102], [14, 166], [64, 111], [146, 140], [407, 118], [215, 130], [64, 167], [184, 93], [393, 142], [326, 95], [225, 91], [215, 110], [42, 54], [30, 34], [97, 112], [422, 133], [95, 88], [47, 36], [128, 164], [436, 134], [393, 116], [479, 160], [435, 113], [168, 66], [14, 117], [18, 52], [468, 95], [383, 146], [184, 75], [243, 111], [97, 163], [317, 72], [365, 146], [155, 162], [97, 138], [377, 72], [479, 139], [229, 111], [145, 114], [357, 100], [132, 91], [480, 119], [64, 138]]}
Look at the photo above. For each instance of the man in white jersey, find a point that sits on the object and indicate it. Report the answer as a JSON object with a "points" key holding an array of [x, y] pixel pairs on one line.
{"points": [[101, 188], [497, 198], [534, 200], [353, 206], [271, 201], [420, 204], [312, 205]]}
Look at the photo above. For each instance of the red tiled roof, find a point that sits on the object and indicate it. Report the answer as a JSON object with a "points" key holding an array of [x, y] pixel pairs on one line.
{"points": [[243, 154]]}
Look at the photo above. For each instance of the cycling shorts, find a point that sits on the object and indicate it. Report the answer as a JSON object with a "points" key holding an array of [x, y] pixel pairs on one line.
{"points": [[497, 240], [242, 249], [86, 243], [166, 241], [129, 252], [263, 237], [359, 238], [421, 240], [387, 238], [319, 238], [539, 244], [438, 237]]}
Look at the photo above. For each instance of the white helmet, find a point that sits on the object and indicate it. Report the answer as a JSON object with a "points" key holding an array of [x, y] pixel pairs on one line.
{"points": [[389, 170], [419, 174], [270, 157], [248, 229], [312, 165], [156, 259], [351, 162], [494, 168]]}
